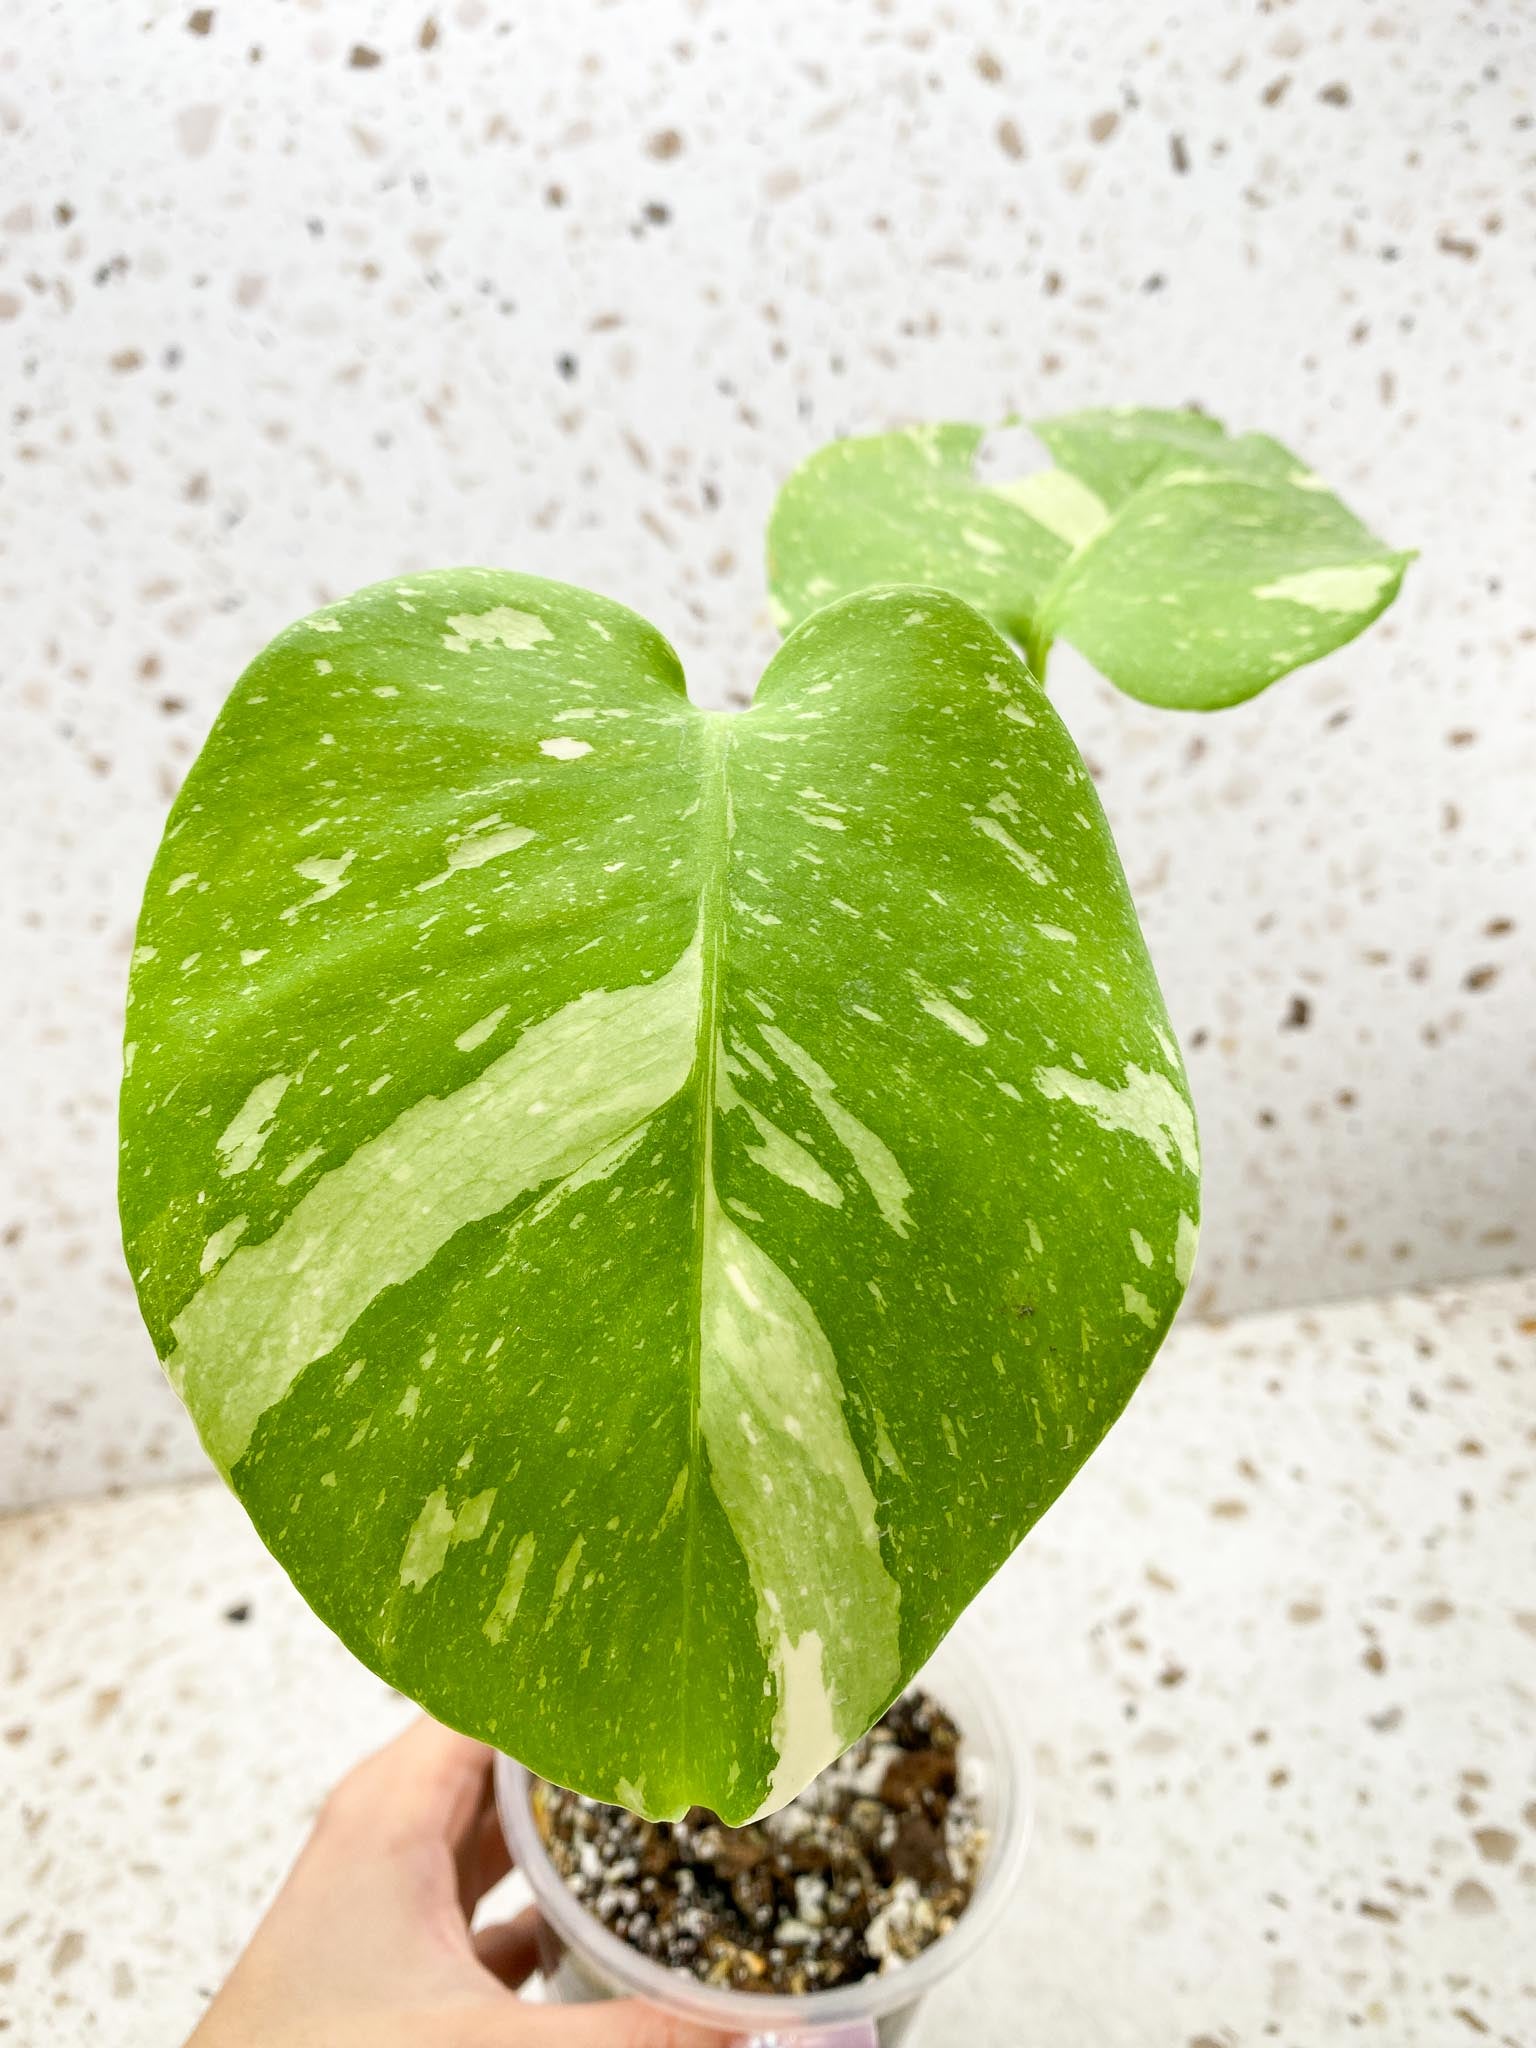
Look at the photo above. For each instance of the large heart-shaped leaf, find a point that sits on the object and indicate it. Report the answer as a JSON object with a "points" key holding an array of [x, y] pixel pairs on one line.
{"points": [[1191, 568], [645, 1205]]}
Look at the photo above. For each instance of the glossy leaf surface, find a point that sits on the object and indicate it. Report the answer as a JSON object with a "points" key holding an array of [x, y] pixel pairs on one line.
{"points": [[647, 1206]]}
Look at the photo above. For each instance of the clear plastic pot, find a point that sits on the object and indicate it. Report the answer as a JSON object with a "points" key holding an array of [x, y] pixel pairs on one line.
{"points": [[583, 1961]]}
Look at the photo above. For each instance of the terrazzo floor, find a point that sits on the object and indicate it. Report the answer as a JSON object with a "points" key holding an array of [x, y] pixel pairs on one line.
{"points": [[1275, 1651]]}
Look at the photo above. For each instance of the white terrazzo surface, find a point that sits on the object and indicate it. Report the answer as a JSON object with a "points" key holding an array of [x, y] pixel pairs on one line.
{"points": [[296, 296], [1276, 1649]]}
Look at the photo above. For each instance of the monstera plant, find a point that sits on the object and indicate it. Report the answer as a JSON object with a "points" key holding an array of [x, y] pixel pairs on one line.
{"points": [[1191, 568], [647, 1206]]}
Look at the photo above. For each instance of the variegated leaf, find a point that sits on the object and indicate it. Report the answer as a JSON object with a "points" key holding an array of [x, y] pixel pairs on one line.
{"points": [[647, 1206], [1193, 569]]}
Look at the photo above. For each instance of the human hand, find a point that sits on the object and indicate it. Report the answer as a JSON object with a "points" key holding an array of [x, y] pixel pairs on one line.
{"points": [[368, 1945]]}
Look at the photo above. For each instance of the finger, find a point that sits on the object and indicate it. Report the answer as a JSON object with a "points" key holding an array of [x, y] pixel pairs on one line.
{"points": [[511, 1951], [482, 1858], [608, 2023], [493, 1857], [429, 1784]]}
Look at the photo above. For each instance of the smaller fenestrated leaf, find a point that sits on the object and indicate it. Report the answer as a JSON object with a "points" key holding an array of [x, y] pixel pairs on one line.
{"points": [[1191, 567], [1115, 452], [906, 508], [1220, 564]]}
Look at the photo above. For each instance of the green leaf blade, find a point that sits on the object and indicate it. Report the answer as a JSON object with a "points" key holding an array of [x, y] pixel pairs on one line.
{"points": [[645, 1274], [1115, 450], [1191, 567], [1224, 564], [903, 509]]}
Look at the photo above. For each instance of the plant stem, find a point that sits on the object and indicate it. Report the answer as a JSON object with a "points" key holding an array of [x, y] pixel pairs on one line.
{"points": [[1036, 643]]}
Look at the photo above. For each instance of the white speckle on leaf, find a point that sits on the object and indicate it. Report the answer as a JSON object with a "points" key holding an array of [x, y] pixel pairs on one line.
{"points": [[502, 626], [1341, 590], [562, 748], [885, 1450], [222, 1243], [479, 1032], [675, 1498], [240, 1142], [876, 1163], [474, 849], [296, 1166], [1146, 1106], [957, 1021], [1184, 1248], [1026, 862], [329, 877], [1137, 1305], [777, 1153], [504, 1613], [563, 1579], [434, 1532], [1060, 502], [981, 543]]}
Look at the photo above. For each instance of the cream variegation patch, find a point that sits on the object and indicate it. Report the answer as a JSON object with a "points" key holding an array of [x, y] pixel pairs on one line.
{"points": [[502, 626]]}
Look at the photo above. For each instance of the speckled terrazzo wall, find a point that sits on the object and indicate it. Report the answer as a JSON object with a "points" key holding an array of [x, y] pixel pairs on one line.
{"points": [[293, 296]]}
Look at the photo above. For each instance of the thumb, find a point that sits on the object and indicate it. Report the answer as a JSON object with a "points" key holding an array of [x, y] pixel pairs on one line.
{"points": [[605, 2023]]}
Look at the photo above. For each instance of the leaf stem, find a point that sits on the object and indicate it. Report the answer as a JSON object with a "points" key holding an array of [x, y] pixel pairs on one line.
{"points": [[1036, 642]]}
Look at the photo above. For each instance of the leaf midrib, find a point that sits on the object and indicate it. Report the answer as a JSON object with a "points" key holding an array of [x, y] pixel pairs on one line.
{"points": [[715, 829]]}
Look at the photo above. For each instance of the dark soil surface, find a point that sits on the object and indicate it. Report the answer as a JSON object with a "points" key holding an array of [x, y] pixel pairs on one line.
{"points": [[874, 1860]]}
